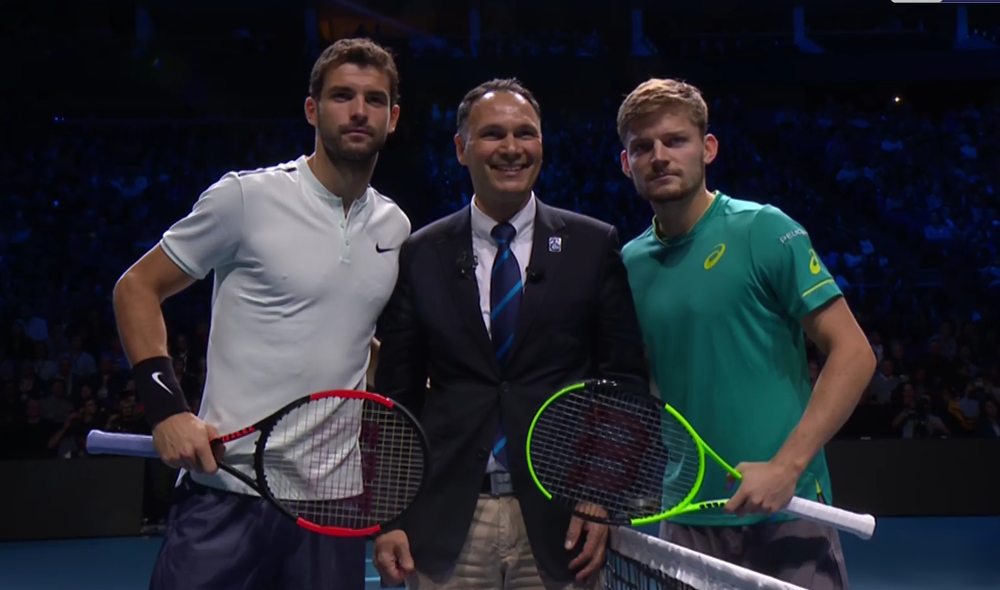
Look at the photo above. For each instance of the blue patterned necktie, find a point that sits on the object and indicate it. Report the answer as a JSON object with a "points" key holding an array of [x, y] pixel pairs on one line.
{"points": [[505, 302]]}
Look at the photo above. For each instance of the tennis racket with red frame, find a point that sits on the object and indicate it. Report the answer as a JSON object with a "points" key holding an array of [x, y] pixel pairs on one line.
{"points": [[339, 463]]}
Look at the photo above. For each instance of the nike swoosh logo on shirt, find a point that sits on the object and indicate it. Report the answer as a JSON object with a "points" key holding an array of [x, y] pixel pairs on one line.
{"points": [[158, 376], [382, 250]]}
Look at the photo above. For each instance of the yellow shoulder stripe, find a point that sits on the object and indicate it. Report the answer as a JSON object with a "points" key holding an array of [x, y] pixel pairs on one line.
{"points": [[815, 287]]}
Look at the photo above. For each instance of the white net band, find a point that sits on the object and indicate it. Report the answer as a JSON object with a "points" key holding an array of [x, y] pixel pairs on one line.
{"points": [[642, 562]]}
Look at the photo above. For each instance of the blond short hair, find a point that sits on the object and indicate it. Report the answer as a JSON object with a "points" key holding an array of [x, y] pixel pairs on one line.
{"points": [[656, 94]]}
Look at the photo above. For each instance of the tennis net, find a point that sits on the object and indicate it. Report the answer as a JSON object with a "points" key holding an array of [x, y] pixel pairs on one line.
{"points": [[642, 562]]}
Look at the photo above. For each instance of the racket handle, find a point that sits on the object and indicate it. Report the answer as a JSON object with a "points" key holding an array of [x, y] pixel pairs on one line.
{"points": [[113, 443], [861, 525]]}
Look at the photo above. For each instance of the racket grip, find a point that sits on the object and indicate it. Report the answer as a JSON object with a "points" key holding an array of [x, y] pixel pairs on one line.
{"points": [[860, 525], [114, 443]]}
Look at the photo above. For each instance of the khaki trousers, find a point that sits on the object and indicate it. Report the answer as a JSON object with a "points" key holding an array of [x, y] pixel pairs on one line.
{"points": [[496, 556]]}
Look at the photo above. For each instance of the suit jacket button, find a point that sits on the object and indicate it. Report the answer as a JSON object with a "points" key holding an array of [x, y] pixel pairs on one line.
{"points": [[504, 387]]}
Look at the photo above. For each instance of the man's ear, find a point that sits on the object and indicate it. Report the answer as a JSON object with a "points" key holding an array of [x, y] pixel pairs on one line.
{"points": [[460, 144], [310, 107], [711, 148], [393, 118]]}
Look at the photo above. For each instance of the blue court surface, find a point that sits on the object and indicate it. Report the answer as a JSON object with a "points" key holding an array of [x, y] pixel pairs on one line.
{"points": [[905, 554]]}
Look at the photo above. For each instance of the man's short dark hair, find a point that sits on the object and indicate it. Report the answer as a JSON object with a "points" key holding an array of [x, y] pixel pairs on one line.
{"points": [[512, 85], [360, 52]]}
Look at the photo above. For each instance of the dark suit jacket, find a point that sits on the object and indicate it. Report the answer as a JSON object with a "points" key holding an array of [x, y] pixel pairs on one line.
{"points": [[577, 321]]}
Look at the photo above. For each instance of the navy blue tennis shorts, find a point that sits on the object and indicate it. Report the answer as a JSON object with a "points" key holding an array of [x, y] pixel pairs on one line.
{"points": [[217, 540]]}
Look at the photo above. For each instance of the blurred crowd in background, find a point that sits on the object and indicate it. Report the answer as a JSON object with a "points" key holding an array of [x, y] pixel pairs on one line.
{"points": [[899, 194]]}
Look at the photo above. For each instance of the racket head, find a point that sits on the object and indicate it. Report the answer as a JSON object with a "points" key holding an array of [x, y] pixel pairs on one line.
{"points": [[306, 465], [601, 443]]}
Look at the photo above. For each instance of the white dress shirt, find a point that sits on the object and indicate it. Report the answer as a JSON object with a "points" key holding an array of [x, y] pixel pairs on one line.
{"points": [[485, 250]]}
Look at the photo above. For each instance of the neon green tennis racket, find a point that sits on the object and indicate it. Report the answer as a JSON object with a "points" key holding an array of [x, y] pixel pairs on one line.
{"points": [[600, 444]]}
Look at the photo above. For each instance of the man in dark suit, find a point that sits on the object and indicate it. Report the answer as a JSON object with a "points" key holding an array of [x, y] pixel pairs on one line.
{"points": [[496, 308]]}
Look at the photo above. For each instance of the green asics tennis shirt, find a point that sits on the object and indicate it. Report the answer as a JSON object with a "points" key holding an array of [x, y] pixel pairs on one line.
{"points": [[720, 309]]}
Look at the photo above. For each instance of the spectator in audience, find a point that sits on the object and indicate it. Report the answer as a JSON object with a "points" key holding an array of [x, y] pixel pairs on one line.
{"points": [[189, 385], [915, 420], [946, 340], [31, 438], [86, 393], [81, 361], [29, 385], [60, 346], [899, 358], [44, 367], [129, 419], [62, 441], [884, 382], [966, 362], [969, 404], [55, 406], [90, 417], [937, 365], [106, 381], [954, 419], [119, 361], [919, 380], [989, 424], [64, 373], [181, 351]]}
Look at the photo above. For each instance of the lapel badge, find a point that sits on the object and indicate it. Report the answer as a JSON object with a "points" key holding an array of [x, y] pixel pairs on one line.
{"points": [[555, 244]]}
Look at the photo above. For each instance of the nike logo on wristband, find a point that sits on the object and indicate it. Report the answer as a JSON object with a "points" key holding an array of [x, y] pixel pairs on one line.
{"points": [[157, 377]]}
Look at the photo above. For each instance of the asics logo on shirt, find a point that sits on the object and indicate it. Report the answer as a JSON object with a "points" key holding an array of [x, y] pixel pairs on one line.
{"points": [[814, 266], [714, 256], [158, 378]]}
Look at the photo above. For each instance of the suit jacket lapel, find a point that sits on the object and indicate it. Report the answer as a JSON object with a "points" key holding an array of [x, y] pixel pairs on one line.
{"points": [[455, 251], [544, 265]]}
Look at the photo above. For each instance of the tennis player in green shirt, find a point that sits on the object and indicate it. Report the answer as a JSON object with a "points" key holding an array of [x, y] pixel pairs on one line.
{"points": [[727, 290]]}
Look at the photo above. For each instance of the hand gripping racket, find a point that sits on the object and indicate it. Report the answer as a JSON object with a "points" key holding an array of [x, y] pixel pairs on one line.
{"points": [[339, 463], [600, 443]]}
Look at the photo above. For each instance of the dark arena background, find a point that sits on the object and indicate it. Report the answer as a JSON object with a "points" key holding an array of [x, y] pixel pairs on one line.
{"points": [[875, 124]]}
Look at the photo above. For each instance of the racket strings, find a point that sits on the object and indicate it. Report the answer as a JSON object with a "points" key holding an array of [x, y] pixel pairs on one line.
{"points": [[339, 462], [682, 474], [601, 445]]}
